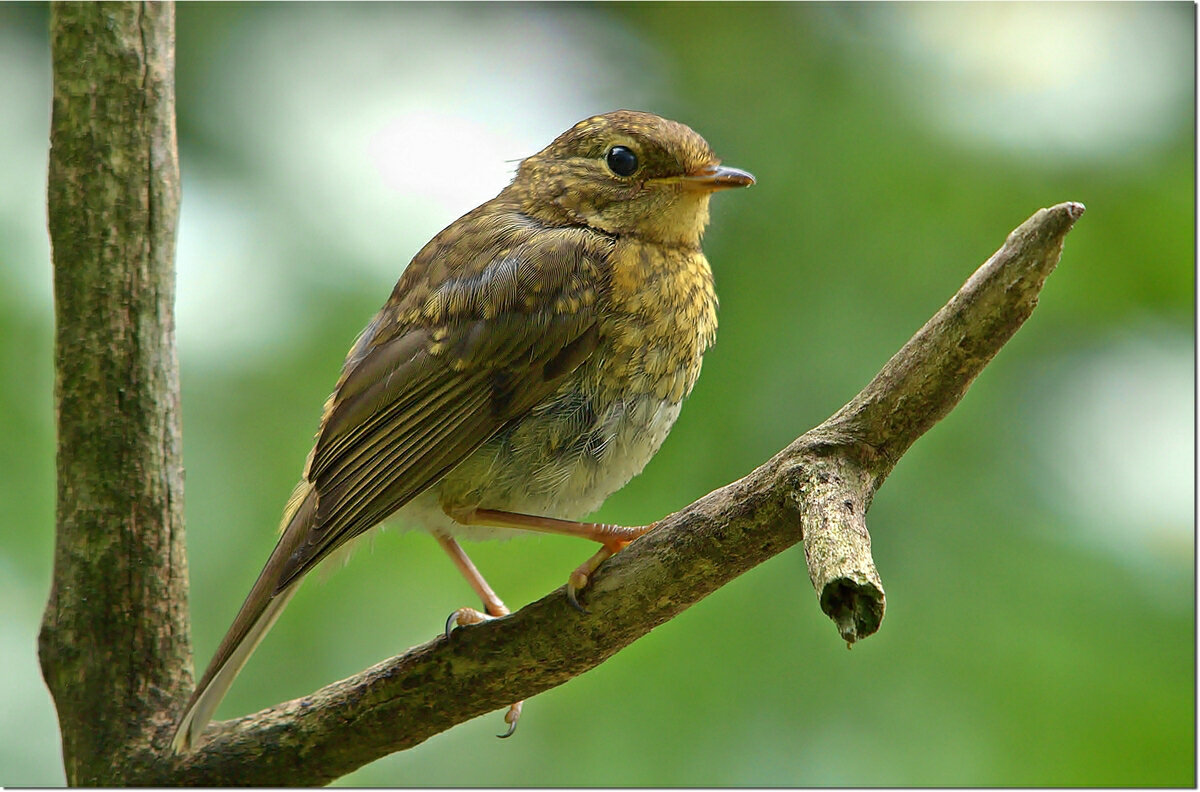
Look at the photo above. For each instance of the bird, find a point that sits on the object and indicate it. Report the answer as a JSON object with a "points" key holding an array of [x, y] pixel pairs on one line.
{"points": [[529, 362]]}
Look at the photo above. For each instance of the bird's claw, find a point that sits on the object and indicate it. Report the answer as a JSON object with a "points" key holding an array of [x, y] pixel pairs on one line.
{"points": [[577, 582], [464, 617], [512, 717], [583, 574]]}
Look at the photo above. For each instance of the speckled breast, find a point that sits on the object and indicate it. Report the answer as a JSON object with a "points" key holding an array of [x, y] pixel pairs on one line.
{"points": [[608, 418]]}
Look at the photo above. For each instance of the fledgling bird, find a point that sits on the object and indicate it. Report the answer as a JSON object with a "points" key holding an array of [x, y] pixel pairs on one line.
{"points": [[529, 362]]}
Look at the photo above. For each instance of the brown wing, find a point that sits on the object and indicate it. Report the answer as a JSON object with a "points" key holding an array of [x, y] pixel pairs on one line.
{"points": [[429, 383]]}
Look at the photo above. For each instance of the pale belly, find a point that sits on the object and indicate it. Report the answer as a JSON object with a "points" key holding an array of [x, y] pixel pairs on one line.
{"points": [[561, 461]]}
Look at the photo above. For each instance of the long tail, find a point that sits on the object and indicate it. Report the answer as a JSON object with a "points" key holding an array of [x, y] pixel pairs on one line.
{"points": [[258, 613]]}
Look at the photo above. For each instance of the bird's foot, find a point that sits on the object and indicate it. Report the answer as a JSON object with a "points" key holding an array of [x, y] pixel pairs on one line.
{"points": [[511, 717], [464, 617], [583, 573]]}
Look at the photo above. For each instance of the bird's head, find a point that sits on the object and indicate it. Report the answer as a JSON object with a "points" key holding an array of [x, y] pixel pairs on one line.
{"points": [[626, 173]]}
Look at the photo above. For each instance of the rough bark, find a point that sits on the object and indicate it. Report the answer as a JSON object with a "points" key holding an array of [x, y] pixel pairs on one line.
{"points": [[114, 645]]}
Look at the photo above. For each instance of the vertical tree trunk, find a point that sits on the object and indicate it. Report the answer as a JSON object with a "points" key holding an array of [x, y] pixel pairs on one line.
{"points": [[114, 645]]}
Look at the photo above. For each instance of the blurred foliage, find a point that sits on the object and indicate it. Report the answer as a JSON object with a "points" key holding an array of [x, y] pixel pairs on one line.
{"points": [[1031, 638]]}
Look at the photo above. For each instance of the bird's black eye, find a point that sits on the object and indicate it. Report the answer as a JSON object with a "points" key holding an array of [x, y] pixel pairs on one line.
{"points": [[621, 161]]}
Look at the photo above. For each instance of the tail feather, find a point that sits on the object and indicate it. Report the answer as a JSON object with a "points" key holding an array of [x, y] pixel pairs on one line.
{"points": [[204, 703], [258, 613]]}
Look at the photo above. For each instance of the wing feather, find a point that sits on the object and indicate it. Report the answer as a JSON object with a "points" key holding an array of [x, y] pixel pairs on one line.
{"points": [[399, 461], [409, 409], [392, 426], [420, 466]]}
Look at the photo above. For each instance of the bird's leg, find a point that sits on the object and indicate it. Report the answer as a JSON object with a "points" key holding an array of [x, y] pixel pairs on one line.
{"points": [[612, 538], [492, 604]]}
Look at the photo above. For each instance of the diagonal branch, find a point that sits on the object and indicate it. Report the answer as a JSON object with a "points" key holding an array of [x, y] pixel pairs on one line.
{"points": [[818, 488], [929, 375], [916, 389]]}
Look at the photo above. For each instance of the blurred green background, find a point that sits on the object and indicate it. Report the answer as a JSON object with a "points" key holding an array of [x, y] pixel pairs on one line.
{"points": [[1037, 546]]}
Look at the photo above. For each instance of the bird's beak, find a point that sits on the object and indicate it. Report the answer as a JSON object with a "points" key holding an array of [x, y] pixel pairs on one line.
{"points": [[713, 177]]}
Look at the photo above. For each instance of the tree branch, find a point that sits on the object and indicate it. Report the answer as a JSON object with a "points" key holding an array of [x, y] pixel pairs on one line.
{"points": [[818, 488], [916, 389]]}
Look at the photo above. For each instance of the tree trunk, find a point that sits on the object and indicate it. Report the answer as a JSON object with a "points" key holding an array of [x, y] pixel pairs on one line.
{"points": [[114, 643]]}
